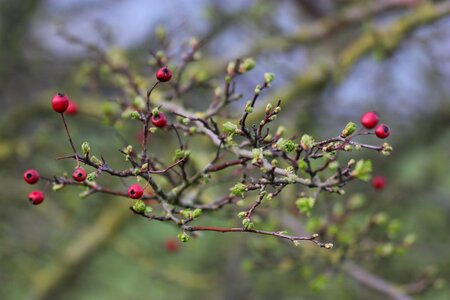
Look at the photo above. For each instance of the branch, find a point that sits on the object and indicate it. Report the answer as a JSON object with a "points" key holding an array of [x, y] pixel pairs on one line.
{"points": [[373, 282], [293, 239], [390, 37]]}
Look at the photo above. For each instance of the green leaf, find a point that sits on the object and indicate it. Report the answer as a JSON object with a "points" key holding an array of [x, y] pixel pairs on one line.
{"points": [[238, 189], [363, 170], [349, 129], [306, 141], [305, 205], [229, 127]]}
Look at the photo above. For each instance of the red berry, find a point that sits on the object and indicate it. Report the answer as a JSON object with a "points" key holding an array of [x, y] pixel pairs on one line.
{"points": [[135, 191], [382, 131], [369, 119], [31, 176], [172, 245], [378, 182], [79, 174], [159, 120], [36, 197], [72, 109], [164, 74], [60, 102]]}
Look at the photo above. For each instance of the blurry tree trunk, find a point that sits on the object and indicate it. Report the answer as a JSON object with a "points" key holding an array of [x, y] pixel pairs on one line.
{"points": [[15, 18]]}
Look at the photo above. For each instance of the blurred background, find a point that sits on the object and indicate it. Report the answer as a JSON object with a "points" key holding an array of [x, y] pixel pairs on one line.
{"points": [[333, 61]]}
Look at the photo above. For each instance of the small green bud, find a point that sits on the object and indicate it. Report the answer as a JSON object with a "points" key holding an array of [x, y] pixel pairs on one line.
{"points": [[160, 54], [186, 213], [160, 32], [249, 109], [349, 129], [351, 162], [193, 130], [328, 246], [247, 65], [268, 108], [238, 190], [185, 121], [280, 130], [242, 214], [363, 169], [84, 194], [126, 114], [229, 127], [268, 138], [348, 147], [144, 167], [268, 78], [155, 111], [135, 115], [306, 141], [218, 91], [148, 209], [91, 176], [302, 165], [409, 239], [139, 102], [85, 148], [380, 218], [257, 89], [356, 201], [286, 145], [183, 237], [57, 186], [230, 68], [248, 224], [257, 155], [139, 206], [196, 213], [333, 165], [305, 205], [181, 154], [96, 161], [358, 147], [128, 150], [274, 162], [269, 196], [387, 149], [385, 250], [152, 129]]}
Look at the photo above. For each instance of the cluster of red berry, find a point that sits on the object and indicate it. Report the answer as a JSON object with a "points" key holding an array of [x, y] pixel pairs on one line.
{"points": [[63, 105], [370, 120]]}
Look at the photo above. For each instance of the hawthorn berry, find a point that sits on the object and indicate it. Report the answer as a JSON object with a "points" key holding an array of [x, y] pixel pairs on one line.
{"points": [[60, 102], [382, 131], [72, 109], [369, 119], [159, 120], [36, 197], [31, 176], [164, 74], [172, 245], [135, 191], [79, 174], [378, 182]]}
